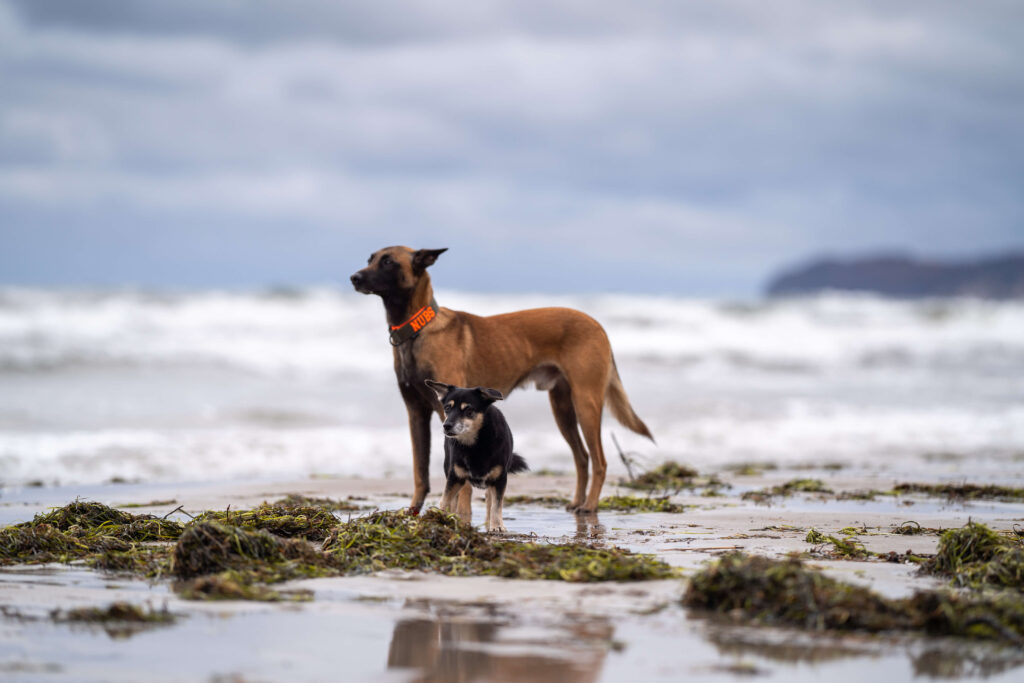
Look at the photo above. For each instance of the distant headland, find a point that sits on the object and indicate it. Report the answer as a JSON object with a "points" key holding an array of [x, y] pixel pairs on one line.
{"points": [[996, 277]]}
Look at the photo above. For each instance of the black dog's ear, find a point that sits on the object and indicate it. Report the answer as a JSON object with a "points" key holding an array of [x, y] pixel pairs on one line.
{"points": [[490, 394], [440, 388], [424, 258]]}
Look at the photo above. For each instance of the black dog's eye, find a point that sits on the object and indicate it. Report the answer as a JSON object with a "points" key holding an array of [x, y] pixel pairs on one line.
{"points": [[468, 412]]}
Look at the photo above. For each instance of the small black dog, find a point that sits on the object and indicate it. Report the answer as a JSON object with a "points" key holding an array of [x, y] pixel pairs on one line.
{"points": [[477, 447]]}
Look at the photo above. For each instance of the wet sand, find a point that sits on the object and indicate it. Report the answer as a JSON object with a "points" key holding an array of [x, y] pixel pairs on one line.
{"points": [[414, 626]]}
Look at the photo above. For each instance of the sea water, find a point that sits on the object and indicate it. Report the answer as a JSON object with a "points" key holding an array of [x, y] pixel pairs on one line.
{"points": [[214, 385]]}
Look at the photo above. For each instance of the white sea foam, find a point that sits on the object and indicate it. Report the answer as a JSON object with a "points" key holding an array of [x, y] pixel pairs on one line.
{"points": [[215, 384]]}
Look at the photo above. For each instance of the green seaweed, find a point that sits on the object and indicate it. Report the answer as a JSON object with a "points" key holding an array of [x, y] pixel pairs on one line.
{"points": [[845, 548], [975, 556], [912, 528], [292, 520], [334, 505], [40, 543], [639, 504], [750, 469], [787, 593], [79, 529], [665, 477], [963, 491], [671, 477], [786, 489], [150, 504], [547, 501], [82, 514], [234, 554], [439, 542]]}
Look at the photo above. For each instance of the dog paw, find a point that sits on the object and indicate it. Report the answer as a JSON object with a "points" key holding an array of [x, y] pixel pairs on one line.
{"points": [[584, 510], [498, 530], [572, 507], [413, 511]]}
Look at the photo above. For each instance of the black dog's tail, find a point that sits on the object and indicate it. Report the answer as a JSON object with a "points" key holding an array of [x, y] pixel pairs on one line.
{"points": [[517, 465]]}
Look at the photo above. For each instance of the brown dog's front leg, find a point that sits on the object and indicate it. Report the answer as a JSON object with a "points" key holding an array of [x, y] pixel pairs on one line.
{"points": [[419, 430], [465, 505]]}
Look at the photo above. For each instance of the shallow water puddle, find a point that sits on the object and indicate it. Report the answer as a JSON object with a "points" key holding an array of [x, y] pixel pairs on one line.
{"points": [[368, 628]]}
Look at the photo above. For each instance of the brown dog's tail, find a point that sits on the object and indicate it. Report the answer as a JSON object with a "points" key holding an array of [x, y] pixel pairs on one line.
{"points": [[615, 395]]}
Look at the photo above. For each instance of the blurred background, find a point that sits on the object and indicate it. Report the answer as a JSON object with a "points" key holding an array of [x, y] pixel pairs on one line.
{"points": [[185, 188]]}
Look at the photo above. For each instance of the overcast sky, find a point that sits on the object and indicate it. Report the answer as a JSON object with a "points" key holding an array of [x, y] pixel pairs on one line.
{"points": [[645, 146]]}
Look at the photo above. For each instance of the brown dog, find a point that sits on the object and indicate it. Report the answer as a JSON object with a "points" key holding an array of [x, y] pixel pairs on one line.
{"points": [[563, 351]]}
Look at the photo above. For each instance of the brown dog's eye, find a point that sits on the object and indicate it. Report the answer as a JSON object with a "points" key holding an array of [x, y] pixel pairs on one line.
{"points": [[385, 260]]}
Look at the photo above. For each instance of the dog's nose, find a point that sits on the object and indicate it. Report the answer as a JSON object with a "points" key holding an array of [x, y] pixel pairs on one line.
{"points": [[357, 279], [449, 430]]}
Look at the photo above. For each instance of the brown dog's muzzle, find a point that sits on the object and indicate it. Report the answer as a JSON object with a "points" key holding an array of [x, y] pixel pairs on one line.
{"points": [[359, 282]]}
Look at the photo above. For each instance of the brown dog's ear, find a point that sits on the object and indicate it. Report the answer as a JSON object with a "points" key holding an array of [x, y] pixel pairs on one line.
{"points": [[490, 394], [440, 388], [424, 258]]}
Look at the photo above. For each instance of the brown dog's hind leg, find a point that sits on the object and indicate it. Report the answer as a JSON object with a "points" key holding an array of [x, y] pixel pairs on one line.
{"points": [[565, 417], [590, 425]]}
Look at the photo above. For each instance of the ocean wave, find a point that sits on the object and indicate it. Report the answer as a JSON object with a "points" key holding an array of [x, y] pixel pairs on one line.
{"points": [[323, 331]]}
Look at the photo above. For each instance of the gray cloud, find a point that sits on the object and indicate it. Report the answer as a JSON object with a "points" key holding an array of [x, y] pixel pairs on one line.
{"points": [[654, 146]]}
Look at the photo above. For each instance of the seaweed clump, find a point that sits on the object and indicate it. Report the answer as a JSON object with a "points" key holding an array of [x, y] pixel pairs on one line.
{"points": [[80, 529], [312, 522], [673, 477], [912, 528], [975, 556], [609, 503], [332, 504], [639, 504], [439, 542], [234, 555], [547, 501], [963, 491], [666, 476], [218, 561], [786, 593], [845, 548], [786, 489]]}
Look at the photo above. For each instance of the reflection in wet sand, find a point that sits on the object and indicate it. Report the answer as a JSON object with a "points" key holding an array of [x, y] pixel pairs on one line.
{"points": [[460, 649], [957, 663], [956, 660], [589, 529]]}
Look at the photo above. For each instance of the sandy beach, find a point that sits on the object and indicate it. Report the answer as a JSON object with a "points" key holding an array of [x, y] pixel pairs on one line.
{"points": [[401, 625]]}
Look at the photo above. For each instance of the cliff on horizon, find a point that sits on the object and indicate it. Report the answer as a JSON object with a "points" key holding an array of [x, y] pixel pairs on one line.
{"points": [[996, 277]]}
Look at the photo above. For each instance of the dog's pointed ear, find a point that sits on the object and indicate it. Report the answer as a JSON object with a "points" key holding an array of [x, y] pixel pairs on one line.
{"points": [[490, 394], [440, 388], [424, 258]]}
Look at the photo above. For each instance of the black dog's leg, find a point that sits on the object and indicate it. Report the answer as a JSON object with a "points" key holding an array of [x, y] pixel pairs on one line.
{"points": [[452, 487], [495, 495]]}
